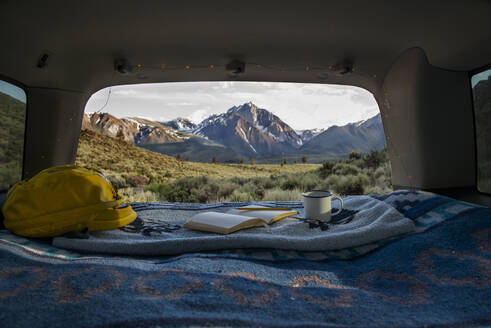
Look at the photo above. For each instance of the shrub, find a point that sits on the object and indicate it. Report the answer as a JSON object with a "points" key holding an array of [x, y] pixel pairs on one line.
{"points": [[352, 185], [133, 196], [330, 183], [355, 154], [136, 180], [282, 195], [375, 158], [238, 196], [380, 171], [226, 189], [290, 184], [264, 182], [252, 189], [207, 193], [309, 181], [299, 181], [129, 182], [369, 174], [371, 190], [239, 180], [160, 189], [118, 181], [345, 169], [326, 169]]}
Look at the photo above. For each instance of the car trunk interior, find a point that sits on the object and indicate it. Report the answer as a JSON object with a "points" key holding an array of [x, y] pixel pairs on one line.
{"points": [[416, 58]]}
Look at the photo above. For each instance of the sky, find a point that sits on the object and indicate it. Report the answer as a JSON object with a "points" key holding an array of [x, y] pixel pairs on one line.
{"points": [[300, 105], [13, 91]]}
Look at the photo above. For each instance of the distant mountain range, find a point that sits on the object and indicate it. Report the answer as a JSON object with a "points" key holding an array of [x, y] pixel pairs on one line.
{"points": [[306, 135], [181, 124], [363, 136], [243, 131]]}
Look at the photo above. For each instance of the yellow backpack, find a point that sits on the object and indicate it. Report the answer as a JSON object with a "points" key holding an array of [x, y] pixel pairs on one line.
{"points": [[63, 199]]}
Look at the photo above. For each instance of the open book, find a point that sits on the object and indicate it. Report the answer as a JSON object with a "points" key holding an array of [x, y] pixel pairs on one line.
{"points": [[237, 219]]}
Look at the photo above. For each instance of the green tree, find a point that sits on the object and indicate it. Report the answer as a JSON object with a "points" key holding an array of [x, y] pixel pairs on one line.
{"points": [[241, 161], [285, 161], [179, 157], [214, 160], [252, 161], [375, 158], [326, 168], [304, 159], [355, 154]]}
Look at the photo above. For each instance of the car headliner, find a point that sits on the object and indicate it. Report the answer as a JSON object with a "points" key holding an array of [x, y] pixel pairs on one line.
{"points": [[414, 56], [83, 38]]}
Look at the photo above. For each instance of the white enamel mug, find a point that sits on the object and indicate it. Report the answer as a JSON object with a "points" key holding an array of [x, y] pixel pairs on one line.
{"points": [[317, 205]]}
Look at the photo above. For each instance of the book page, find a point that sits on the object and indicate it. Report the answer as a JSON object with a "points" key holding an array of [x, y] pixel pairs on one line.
{"points": [[217, 219], [267, 216]]}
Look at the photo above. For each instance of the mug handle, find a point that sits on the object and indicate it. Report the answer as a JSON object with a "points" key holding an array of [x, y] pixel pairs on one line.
{"points": [[341, 208]]}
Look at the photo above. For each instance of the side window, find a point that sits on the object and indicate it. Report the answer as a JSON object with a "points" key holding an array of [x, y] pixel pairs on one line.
{"points": [[12, 127], [481, 91]]}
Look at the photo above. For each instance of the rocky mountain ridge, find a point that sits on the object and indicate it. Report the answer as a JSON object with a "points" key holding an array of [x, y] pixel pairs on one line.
{"points": [[250, 130], [240, 132], [306, 135], [364, 136], [181, 124], [137, 131]]}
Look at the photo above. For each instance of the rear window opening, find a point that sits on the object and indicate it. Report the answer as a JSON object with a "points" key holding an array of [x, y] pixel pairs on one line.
{"points": [[481, 92], [212, 142], [12, 130]]}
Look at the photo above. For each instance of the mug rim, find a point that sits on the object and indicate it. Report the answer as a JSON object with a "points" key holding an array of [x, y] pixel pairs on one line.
{"points": [[329, 194]]}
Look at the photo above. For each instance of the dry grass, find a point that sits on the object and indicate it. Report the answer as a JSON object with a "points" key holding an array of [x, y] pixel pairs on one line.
{"points": [[143, 175], [121, 160]]}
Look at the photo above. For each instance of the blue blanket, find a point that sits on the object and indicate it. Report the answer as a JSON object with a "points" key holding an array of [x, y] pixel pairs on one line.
{"points": [[438, 276]]}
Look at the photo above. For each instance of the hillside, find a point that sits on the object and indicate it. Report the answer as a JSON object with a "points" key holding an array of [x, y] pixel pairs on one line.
{"points": [[128, 165], [12, 125], [143, 175], [197, 149]]}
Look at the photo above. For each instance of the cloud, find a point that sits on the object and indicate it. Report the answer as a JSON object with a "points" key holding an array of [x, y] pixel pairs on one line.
{"points": [[302, 106], [182, 103], [198, 116]]}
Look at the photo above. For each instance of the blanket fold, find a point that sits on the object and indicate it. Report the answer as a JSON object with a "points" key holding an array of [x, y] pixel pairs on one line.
{"points": [[374, 220]]}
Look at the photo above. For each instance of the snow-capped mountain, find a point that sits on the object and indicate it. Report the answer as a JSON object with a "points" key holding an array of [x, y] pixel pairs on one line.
{"points": [[244, 130], [181, 124], [250, 130], [306, 135], [137, 131], [268, 123]]}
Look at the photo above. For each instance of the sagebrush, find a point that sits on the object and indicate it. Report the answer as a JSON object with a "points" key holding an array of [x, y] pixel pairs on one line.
{"points": [[142, 175]]}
